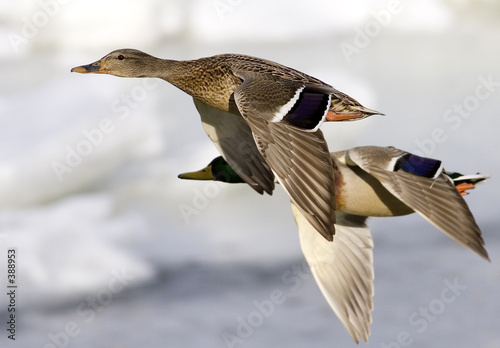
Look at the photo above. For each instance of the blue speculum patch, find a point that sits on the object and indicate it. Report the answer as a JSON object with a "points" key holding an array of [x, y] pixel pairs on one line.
{"points": [[309, 109], [417, 165]]}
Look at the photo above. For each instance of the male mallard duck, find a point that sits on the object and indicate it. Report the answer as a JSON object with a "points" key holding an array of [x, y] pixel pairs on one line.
{"points": [[372, 181], [263, 117]]}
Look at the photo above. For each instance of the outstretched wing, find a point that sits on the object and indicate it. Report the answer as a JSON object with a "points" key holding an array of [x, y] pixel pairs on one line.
{"points": [[422, 185], [284, 117], [233, 138], [343, 269]]}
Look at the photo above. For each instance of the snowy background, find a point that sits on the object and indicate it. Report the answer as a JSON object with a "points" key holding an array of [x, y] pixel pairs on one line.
{"points": [[115, 251]]}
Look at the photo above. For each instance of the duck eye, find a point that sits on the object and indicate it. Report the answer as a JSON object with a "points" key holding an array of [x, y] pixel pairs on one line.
{"points": [[120, 57]]}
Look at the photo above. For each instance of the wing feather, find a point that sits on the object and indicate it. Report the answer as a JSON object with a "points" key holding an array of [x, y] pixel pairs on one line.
{"points": [[233, 138], [298, 157], [435, 199], [343, 269]]}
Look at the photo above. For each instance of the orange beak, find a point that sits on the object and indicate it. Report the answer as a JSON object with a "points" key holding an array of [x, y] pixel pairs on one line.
{"points": [[94, 68]]}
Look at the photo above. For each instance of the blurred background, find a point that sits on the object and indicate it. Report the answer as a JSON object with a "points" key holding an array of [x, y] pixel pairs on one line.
{"points": [[114, 251]]}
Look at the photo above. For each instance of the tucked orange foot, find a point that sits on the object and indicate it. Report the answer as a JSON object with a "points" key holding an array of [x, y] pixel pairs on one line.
{"points": [[463, 187]]}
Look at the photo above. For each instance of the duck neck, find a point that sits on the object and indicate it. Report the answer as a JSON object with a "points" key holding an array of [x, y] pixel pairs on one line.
{"points": [[199, 78], [166, 69], [178, 73]]}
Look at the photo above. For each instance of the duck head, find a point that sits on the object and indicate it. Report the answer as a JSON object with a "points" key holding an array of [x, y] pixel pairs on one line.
{"points": [[217, 170], [122, 63]]}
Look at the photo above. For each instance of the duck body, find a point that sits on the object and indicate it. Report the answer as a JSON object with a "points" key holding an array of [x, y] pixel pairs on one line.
{"points": [[360, 193], [386, 181], [262, 116], [220, 77]]}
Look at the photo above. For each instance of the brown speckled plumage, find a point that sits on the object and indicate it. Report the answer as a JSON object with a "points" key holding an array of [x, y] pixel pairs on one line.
{"points": [[273, 110]]}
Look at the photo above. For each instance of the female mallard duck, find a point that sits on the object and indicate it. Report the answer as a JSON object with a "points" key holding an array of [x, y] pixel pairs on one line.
{"points": [[263, 117], [373, 181]]}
